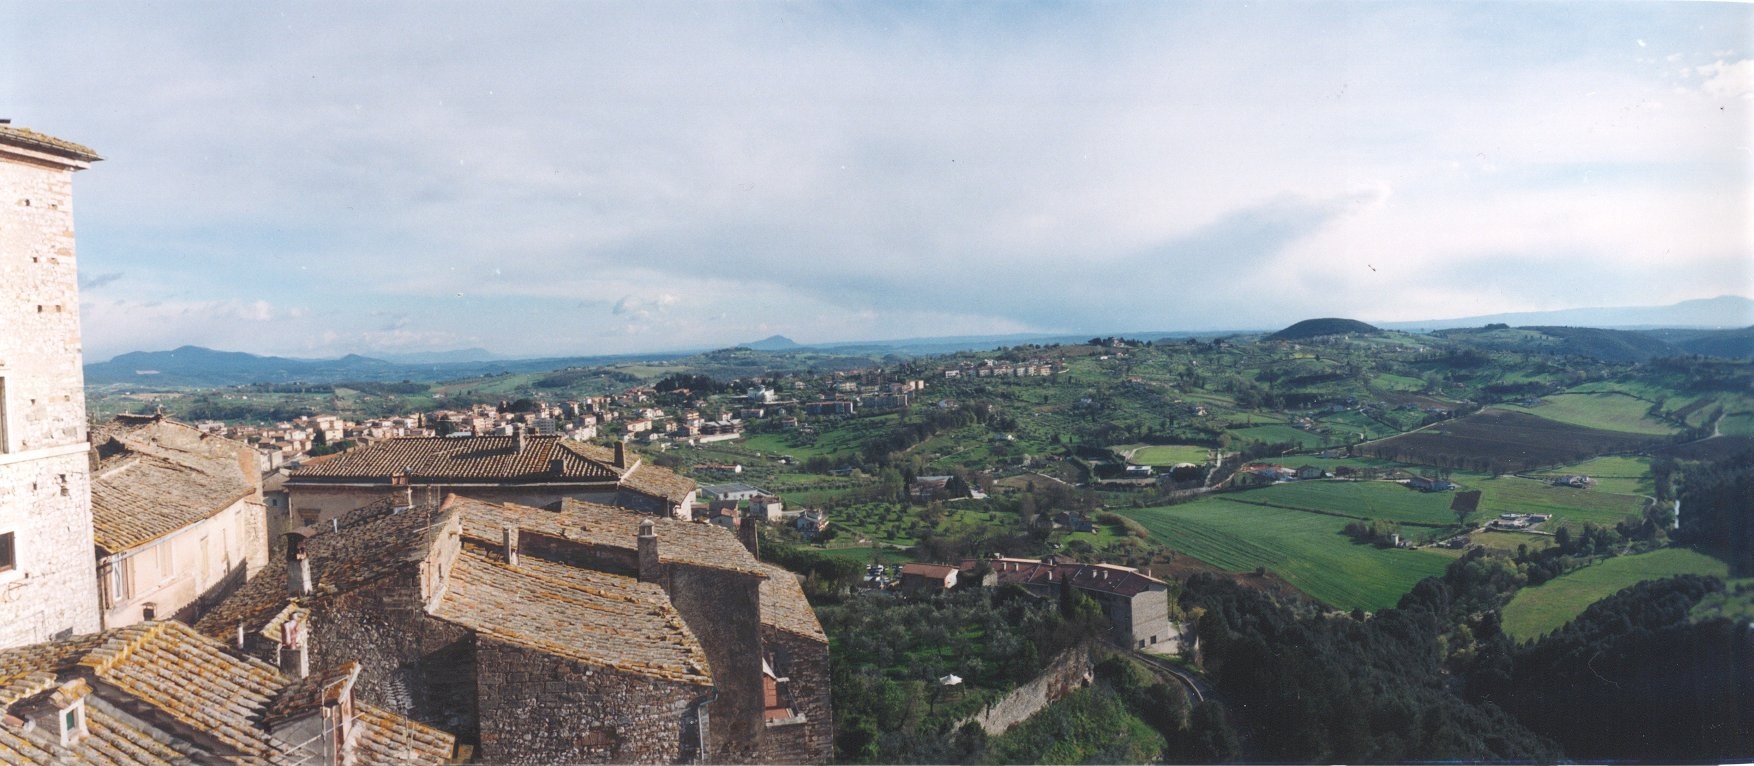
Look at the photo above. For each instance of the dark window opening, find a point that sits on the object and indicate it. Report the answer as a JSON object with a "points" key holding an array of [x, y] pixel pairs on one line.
{"points": [[8, 552]]}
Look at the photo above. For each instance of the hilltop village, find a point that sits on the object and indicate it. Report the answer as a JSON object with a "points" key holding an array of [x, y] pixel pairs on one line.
{"points": [[1333, 543]]}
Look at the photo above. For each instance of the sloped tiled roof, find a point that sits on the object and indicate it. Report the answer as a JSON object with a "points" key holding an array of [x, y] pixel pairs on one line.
{"points": [[659, 482], [309, 694], [698, 544], [173, 680], [598, 618], [12, 134], [156, 476], [783, 605], [359, 554], [480, 458]]}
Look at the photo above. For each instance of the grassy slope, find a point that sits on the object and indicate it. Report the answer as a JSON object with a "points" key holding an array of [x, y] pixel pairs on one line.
{"points": [[1620, 475], [1536, 611], [1607, 411], [1307, 549], [1570, 507]]}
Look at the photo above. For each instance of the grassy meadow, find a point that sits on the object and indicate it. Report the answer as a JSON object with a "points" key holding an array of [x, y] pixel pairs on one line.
{"points": [[1536, 611]]}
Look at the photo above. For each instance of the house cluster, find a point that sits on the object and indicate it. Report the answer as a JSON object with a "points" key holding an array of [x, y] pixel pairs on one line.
{"points": [[1135, 604], [1516, 521], [516, 596], [1259, 474], [1430, 484], [988, 368]]}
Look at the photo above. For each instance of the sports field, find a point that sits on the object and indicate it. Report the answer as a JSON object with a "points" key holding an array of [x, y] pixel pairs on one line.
{"points": [[1536, 611], [1309, 550], [1163, 454]]}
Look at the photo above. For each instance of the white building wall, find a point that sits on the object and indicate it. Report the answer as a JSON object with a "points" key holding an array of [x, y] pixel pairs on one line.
{"points": [[45, 490]]}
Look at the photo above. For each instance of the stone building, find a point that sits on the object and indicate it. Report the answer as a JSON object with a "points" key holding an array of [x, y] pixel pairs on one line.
{"points": [[1136, 604], [47, 589], [177, 516], [585, 633], [529, 470], [160, 693]]}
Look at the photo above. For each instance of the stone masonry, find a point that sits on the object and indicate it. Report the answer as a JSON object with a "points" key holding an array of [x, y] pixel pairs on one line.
{"points": [[49, 588]]}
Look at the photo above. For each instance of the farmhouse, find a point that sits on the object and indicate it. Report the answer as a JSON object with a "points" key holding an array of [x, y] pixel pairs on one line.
{"points": [[927, 578], [1136, 604], [1429, 484]]}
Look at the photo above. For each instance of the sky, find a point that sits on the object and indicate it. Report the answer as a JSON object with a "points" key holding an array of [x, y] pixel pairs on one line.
{"points": [[314, 179]]}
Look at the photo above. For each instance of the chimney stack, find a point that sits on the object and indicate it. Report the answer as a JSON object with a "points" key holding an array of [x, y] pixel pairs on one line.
{"points": [[518, 440], [405, 498], [298, 563], [294, 650], [751, 539], [649, 570], [511, 545], [620, 454]]}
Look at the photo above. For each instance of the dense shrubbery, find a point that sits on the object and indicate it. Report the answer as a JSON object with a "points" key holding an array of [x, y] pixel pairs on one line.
{"points": [[887, 654], [1717, 510]]}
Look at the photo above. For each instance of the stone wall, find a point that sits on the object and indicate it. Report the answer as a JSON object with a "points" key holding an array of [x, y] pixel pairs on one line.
{"points": [[1067, 672], [541, 709], [723, 610], [411, 663], [805, 662], [45, 492]]}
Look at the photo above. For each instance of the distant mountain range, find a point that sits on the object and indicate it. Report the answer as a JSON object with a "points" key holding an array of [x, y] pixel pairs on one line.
{"points": [[197, 366], [1688, 327], [1720, 313]]}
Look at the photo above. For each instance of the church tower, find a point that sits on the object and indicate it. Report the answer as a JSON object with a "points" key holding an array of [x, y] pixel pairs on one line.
{"points": [[48, 571]]}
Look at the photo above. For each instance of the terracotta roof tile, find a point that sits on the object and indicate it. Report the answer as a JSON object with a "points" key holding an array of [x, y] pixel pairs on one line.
{"points": [[698, 544], [487, 458], [359, 554], [783, 605], [158, 476], [173, 681], [601, 619]]}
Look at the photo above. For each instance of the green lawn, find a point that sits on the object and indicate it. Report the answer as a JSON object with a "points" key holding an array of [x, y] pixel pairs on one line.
{"points": [[1534, 612], [1607, 411], [1164, 454], [1570, 507], [1308, 550], [1620, 475]]}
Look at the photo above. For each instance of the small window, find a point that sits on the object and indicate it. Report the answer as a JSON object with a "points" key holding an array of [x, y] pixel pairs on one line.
{"points": [[8, 552]]}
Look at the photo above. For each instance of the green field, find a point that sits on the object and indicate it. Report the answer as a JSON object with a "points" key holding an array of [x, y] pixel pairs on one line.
{"points": [[1607, 411], [1534, 612], [864, 555], [1569, 507], [1278, 434], [1163, 454], [1620, 475], [1307, 549], [1367, 499]]}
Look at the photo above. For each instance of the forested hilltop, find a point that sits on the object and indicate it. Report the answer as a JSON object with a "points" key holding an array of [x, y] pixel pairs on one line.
{"points": [[1490, 544]]}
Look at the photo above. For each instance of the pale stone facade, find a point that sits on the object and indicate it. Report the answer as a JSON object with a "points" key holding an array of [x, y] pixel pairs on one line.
{"points": [[48, 583]]}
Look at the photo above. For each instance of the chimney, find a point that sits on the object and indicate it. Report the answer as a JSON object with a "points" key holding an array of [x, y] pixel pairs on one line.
{"points": [[746, 533], [511, 545], [649, 570], [405, 498], [294, 649], [620, 454], [298, 563], [518, 440]]}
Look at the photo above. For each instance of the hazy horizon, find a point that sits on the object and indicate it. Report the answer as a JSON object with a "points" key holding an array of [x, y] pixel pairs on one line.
{"points": [[579, 179]]}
